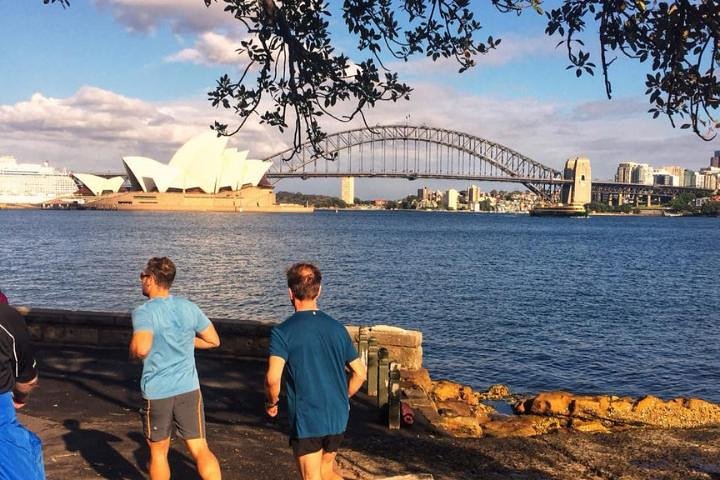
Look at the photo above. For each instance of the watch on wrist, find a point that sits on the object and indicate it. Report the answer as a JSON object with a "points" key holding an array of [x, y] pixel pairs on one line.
{"points": [[271, 405]]}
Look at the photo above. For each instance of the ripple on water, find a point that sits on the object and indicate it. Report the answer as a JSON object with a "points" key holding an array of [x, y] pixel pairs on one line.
{"points": [[616, 305]]}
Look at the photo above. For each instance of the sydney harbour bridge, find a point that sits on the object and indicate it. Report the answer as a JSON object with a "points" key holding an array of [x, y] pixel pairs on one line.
{"points": [[422, 152]]}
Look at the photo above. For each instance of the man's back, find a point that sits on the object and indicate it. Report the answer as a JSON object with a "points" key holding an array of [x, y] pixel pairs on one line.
{"points": [[169, 368], [316, 348]]}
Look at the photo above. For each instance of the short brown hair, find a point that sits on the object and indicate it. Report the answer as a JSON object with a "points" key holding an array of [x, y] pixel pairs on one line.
{"points": [[162, 270], [304, 281]]}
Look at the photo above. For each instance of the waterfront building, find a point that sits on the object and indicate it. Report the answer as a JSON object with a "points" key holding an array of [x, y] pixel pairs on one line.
{"points": [[675, 171], [625, 172], [451, 199], [661, 177], [711, 177], [715, 159], [33, 184], [347, 190], [97, 185], [202, 165], [689, 178], [473, 194], [643, 174], [203, 175], [424, 194]]}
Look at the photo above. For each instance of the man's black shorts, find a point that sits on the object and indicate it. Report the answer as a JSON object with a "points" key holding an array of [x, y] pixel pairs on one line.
{"points": [[328, 444], [184, 411]]}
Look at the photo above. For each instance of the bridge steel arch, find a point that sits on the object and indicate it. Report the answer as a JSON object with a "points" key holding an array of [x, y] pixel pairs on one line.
{"points": [[412, 152]]}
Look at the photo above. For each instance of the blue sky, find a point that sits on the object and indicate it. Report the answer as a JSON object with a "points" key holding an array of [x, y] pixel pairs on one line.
{"points": [[105, 78]]}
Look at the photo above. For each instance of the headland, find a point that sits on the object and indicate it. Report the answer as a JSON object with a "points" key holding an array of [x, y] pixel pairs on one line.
{"points": [[85, 410]]}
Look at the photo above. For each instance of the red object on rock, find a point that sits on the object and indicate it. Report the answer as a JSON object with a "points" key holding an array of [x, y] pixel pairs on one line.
{"points": [[407, 414], [3, 298]]}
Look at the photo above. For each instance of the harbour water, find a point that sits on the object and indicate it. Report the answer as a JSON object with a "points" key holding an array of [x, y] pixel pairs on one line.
{"points": [[617, 305]]}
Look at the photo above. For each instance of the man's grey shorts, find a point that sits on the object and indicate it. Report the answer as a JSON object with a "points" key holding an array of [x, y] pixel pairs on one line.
{"points": [[185, 411]]}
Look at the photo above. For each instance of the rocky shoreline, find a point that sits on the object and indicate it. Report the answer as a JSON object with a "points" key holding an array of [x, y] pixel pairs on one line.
{"points": [[458, 411]]}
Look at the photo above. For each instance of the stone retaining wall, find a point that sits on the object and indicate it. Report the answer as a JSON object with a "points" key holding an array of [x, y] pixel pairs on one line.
{"points": [[238, 338]]}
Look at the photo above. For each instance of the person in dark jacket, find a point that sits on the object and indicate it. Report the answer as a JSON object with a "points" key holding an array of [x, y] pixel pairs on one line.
{"points": [[21, 449]]}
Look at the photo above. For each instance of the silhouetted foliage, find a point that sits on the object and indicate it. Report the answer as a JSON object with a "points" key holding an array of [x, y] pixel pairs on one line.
{"points": [[297, 66], [293, 74]]}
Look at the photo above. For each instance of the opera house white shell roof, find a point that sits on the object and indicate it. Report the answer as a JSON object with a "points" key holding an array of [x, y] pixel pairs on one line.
{"points": [[203, 163], [99, 185]]}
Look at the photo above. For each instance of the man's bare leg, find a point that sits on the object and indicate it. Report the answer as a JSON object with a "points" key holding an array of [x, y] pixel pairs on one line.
{"points": [[328, 469], [310, 465], [159, 466], [207, 464]]}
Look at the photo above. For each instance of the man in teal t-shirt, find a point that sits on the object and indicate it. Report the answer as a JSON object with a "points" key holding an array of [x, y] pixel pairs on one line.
{"points": [[313, 349], [166, 332]]}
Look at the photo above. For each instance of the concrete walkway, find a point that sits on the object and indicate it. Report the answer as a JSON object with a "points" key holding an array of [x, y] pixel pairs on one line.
{"points": [[85, 410]]}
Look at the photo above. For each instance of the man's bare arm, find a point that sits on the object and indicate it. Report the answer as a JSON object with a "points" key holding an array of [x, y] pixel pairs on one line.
{"points": [[208, 338], [22, 390], [358, 375], [273, 378], [141, 344]]}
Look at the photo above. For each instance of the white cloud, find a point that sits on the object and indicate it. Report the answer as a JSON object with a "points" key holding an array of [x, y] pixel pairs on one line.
{"points": [[182, 15], [92, 129], [210, 49]]}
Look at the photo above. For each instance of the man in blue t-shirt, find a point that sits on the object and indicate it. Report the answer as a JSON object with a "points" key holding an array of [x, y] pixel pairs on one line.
{"points": [[166, 332], [314, 349]]}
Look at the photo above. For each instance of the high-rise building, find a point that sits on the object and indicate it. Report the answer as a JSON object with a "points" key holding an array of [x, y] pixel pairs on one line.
{"points": [[642, 173], [711, 177], [715, 159], [661, 177], [675, 171], [689, 179], [624, 172], [473, 195], [347, 190], [424, 194], [451, 199]]}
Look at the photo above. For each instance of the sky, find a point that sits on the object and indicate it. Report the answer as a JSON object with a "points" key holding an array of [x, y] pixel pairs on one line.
{"points": [[84, 86]]}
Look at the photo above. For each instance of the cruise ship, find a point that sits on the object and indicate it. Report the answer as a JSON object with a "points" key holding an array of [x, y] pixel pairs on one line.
{"points": [[32, 184]]}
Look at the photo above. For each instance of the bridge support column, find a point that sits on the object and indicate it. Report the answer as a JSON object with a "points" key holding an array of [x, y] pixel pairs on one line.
{"points": [[621, 200], [649, 200], [347, 190]]}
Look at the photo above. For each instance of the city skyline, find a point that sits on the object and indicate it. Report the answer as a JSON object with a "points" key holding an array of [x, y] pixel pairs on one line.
{"points": [[109, 78]]}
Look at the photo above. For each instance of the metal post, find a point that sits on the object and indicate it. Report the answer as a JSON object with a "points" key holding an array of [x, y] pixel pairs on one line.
{"points": [[372, 367], [363, 346], [383, 367], [394, 410]]}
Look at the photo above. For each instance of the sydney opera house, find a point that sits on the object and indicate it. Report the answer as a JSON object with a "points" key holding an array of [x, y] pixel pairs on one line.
{"points": [[203, 175]]}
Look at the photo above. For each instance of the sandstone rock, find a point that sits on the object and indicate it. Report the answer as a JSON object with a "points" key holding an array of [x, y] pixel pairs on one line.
{"points": [[495, 392], [546, 403], [521, 426], [593, 426], [461, 426], [646, 403], [468, 396], [446, 390], [649, 410], [620, 406], [589, 406], [419, 377], [454, 408]]}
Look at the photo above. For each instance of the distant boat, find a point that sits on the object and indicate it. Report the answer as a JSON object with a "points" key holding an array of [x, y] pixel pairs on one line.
{"points": [[559, 211], [671, 214], [32, 184]]}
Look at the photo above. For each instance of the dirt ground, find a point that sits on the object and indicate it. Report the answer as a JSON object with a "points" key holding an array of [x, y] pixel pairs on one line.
{"points": [[85, 411]]}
